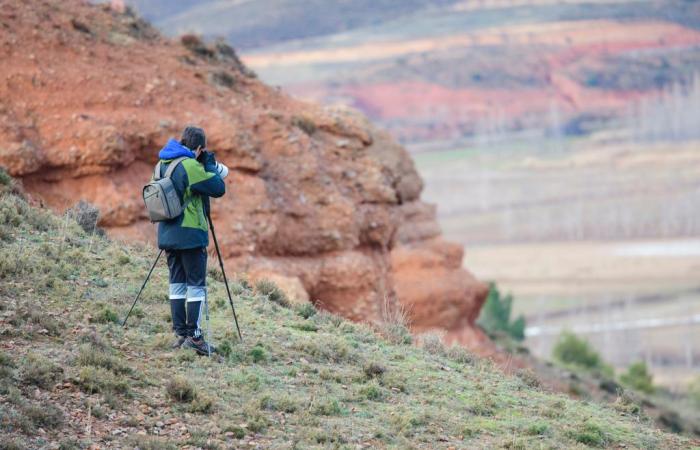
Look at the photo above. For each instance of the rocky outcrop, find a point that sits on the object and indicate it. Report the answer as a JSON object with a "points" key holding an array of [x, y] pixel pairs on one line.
{"points": [[318, 199]]}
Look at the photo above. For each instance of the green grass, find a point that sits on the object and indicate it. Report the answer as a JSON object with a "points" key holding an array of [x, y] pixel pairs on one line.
{"points": [[332, 384]]}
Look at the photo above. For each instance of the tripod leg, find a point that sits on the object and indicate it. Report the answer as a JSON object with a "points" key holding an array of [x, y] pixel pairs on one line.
{"points": [[223, 272], [206, 312], [142, 287]]}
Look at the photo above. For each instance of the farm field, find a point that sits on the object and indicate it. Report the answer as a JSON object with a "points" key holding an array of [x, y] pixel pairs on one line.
{"points": [[601, 239]]}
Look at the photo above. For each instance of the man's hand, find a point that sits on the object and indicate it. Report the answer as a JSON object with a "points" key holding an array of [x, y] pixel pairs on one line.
{"points": [[207, 158]]}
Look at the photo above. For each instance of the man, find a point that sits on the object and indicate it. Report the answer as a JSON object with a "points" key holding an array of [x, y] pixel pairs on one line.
{"points": [[186, 237]]}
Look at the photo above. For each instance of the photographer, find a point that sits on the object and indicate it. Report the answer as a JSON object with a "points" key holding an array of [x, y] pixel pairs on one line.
{"points": [[185, 238]]}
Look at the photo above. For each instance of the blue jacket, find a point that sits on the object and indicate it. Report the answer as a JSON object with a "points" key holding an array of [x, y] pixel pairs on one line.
{"points": [[195, 183]]}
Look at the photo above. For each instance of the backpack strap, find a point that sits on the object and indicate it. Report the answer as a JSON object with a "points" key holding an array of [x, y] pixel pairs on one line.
{"points": [[156, 172], [169, 171]]}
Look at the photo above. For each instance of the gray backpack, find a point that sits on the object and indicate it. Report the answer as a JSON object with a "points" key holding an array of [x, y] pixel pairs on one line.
{"points": [[160, 196]]}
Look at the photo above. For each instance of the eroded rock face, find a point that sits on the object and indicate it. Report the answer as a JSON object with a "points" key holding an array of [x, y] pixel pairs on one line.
{"points": [[317, 198]]}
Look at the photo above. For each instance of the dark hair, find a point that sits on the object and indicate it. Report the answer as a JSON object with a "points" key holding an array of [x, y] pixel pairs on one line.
{"points": [[193, 137]]}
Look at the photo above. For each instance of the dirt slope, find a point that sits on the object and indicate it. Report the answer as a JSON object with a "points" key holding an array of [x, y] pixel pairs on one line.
{"points": [[318, 200]]}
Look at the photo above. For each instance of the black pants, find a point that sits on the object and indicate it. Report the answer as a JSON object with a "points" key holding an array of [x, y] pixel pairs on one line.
{"points": [[188, 289]]}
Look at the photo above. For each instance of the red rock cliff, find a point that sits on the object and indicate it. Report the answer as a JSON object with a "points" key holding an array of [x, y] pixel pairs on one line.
{"points": [[318, 199]]}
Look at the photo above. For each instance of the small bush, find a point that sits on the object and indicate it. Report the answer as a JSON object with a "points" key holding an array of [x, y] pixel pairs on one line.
{"points": [[45, 415], [483, 405], [305, 124], [590, 434], [86, 215], [528, 377], [94, 380], [5, 178], [257, 354], [332, 350], [305, 310], [373, 369], [495, 315], [238, 432], [195, 44], [105, 315], [257, 422], [305, 326], [394, 324], [373, 391], [90, 355], [41, 371], [570, 349], [537, 429], [6, 366], [180, 389], [432, 343], [460, 355], [202, 403], [638, 377], [273, 293], [282, 403], [327, 407], [222, 78]]}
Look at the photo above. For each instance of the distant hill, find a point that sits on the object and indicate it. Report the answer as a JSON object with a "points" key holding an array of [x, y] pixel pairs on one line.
{"points": [[446, 70], [254, 24]]}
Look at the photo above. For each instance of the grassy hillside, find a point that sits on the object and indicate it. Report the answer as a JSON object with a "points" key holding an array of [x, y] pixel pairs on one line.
{"points": [[70, 374]]}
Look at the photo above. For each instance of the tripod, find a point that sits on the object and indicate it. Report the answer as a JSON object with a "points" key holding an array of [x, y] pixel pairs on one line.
{"points": [[221, 264]]}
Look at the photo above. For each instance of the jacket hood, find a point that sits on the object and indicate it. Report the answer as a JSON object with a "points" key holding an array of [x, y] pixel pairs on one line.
{"points": [[173, 149]]}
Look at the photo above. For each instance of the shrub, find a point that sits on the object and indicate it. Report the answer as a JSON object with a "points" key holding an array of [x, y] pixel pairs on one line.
{"points": [[272, 292], [41, 371], [202, 403], [638, 377], [432, 343], [374, 369], [394, 324], [570, 349], [45, 415], [86, 215], [373, 391], [460, 355], [195, 44], [6, 366], [305, 326], [495, 315], [327, 407], [257, 354], [180, 389], [282, 403], [332, 350], [528, 377], [305, 124], [94, 380], [537, 429], [105, 315], [5, 178], [238, 432], [590, 434], [90, 355], [305, 310], [222, 78]]}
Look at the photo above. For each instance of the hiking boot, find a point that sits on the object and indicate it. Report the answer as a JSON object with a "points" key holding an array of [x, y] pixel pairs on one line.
{"points": [[178, 342], [199, 345]]}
